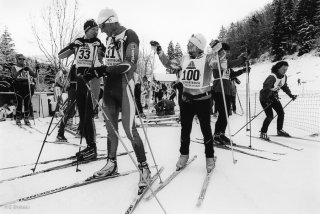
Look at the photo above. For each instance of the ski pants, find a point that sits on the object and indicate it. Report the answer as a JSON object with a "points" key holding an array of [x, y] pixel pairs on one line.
{"points": [[276, 105], [188, 110], [233, 103], [116, 100], [85, 108], [70, 109], [22, 94], [222, 122]]}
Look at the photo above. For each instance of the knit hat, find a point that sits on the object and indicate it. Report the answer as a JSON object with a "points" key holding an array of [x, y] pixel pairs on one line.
{"points": [[19, 55], [198, 40], [107, 15], [89, 24]]}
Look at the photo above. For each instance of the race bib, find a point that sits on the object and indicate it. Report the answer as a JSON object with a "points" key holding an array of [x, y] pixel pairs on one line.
{"points": [[114, 50], [192, 74], [85, 55]]}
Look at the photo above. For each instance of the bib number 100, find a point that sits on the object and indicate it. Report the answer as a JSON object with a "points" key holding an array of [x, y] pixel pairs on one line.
{"points": [[191, 75]]}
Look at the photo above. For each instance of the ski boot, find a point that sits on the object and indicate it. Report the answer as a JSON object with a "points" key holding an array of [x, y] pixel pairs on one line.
{"points": [[182, 162], [264, 136], [61, 138], [145, 171], [109, 169], [225, 139], [89, 153], [27, 122], [18, 122], [210, 164], [283, 133], [218, 140]]}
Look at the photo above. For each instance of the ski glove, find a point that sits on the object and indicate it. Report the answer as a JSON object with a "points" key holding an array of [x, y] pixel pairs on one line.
{"points": [[92, 73], [273, 99], [215, 45], [156, 45], [293, 97], [77, 43]]}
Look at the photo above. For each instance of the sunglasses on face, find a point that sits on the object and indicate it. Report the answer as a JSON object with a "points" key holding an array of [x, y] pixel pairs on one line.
{"points": [[22, 59]]}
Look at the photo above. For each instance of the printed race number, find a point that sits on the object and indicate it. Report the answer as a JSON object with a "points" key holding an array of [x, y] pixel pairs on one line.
{"points": [[191, 75], [84, 54]]}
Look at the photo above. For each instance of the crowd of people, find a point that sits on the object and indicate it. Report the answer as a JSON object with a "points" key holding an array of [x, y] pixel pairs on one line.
{"points": [[203, 79]]}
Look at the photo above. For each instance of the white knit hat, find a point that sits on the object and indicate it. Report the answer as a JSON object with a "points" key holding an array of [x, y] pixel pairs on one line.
{"points": [[107, 15], [198, 40]]}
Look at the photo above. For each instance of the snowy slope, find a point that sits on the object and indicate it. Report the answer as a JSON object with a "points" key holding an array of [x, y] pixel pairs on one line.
{"points": [[252, 185]]}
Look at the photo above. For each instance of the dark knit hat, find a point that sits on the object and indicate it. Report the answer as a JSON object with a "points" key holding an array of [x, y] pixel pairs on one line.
{"points": [[89, 24]]}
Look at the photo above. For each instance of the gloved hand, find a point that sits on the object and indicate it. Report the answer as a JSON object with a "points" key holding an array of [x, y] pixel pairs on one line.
{"points": [[293, 97], [27, 68], [244, 70], [273, 99], [76, 44], [243, 56], [156, 45], [90, 75], [215, 45]]}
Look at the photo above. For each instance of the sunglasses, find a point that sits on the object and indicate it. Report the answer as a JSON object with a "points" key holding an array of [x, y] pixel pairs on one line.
{"points": [[103, 23], [22, 59]]}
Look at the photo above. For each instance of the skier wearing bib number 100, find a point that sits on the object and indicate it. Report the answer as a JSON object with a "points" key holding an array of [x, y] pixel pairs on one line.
{"points": [[195, 73], [85, 50], [120, 64]]}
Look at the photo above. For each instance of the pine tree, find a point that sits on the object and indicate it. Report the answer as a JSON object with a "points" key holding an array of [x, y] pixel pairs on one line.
{"points": [[171, 55], [7, 51], [170, 52], [277, 40], [223, 34], [177, 51], [289, 27], [307, 37], [306, 11]]}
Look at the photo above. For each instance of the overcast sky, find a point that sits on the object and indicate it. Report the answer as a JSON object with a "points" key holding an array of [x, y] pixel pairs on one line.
{"points": [[162, 20]]}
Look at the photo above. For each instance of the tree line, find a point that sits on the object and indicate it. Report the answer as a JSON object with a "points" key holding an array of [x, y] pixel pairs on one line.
{"points": [[280, 28]]}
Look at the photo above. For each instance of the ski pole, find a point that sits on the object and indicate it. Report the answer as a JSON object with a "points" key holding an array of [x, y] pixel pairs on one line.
{"points": [[225, 107], [142, 125], [125, 147], [240, 104], [283, 107], [61, 119], [249, 101], [45, 138], [30, 97], [252, 119]]}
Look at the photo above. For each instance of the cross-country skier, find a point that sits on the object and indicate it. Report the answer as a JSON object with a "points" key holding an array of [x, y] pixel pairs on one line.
{"points": [[226, 74], [85, 49], [23, 87], [269, 97], [70, 109], [195, 75], [121, 61]]}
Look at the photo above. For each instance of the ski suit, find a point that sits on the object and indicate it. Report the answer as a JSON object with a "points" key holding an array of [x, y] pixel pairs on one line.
{"points": [[195, 76], [121, 61], [226, 74], [85, 59], [269, 95], [23, 86]]}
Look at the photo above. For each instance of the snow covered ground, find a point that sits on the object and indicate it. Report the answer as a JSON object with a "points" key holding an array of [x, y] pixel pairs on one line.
{"points": [[252, 185]]}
